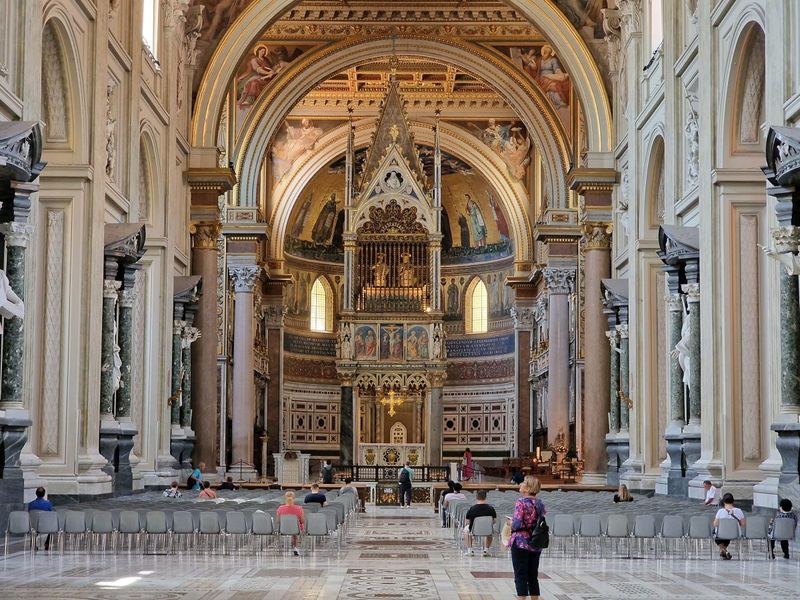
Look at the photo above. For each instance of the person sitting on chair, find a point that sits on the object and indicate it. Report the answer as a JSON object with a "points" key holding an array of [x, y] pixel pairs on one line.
{"points": [[481, 508], [315, 496]]}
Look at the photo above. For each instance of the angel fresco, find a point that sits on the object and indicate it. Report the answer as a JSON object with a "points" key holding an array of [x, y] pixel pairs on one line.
{"points": [[292, 145], [511, 142]]}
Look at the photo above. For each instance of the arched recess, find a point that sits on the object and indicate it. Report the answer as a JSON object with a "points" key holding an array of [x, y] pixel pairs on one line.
{"points": [[148, 177], [654, 190], [476, 307], [512, 194], [543, 14], [62, 97], [524, 97], [744, 116]]}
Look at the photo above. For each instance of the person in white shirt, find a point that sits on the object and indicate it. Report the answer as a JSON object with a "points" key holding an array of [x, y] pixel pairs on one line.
{"points": [[712, 494], [728, 511], [454, 495]]}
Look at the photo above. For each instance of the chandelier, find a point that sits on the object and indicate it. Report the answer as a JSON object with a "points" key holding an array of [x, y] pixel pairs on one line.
{"points": [[392, 399]]}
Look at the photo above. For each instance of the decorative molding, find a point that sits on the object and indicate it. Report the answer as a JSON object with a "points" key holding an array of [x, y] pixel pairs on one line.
{"points": [[244, 278], [559, 281], [630, 16], [21, 150]]}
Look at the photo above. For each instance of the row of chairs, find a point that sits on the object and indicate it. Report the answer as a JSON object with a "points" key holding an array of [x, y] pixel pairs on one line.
{"points": [[167, 530]]}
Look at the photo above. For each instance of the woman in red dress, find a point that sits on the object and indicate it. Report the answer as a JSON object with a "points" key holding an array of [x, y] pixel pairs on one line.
{"points": [[468, 470]]}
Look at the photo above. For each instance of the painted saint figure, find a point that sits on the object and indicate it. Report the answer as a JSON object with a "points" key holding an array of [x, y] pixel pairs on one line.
{"points": [[499, 218], [452, 298], [324, 225], [462, 224], [478, 224]]}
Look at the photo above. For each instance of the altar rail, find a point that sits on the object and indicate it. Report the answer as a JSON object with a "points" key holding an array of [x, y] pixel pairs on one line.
{"points": [[426, 473]]}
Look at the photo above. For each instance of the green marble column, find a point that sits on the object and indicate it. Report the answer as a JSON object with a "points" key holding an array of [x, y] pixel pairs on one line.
{"points": [[613, 424], [624, 377], [188, 336], [16, 238], [125, 342], [692, 291], [177, 362], [790, 343], [676, 406], [107, 390]]}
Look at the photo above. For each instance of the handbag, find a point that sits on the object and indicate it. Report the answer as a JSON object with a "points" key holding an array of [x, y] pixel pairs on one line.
{"points": [[505, 533]]}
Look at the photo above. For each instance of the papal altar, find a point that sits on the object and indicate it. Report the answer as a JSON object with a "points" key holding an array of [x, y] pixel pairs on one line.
{"points": [[390, 455]]}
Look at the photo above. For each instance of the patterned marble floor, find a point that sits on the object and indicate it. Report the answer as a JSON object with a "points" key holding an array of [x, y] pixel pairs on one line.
{"points": [[391, 553]]}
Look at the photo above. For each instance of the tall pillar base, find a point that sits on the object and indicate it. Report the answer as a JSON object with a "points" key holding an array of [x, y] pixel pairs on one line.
{"points": [[188, 450], [123, 471], [13, 435], [614, 463], [178, 447], [691, 448]]}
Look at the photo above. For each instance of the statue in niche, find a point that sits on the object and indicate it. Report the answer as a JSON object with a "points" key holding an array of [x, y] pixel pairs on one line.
{"points": [[692, 148], [116, 373], [681, 351], [439, 349], [406, 269], [380, 271], [11, 305]]}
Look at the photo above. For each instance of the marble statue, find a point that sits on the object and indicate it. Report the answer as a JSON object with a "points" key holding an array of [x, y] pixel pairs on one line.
{"points": [[189, 336], [380, 271], [116, 373], [681, 350], [439, 348], [11, 305], [344, 341], [692, 148], [406, 269], [789, 260]]}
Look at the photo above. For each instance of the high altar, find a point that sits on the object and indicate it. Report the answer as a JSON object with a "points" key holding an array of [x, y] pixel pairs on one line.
{"points": [[391, 340]]}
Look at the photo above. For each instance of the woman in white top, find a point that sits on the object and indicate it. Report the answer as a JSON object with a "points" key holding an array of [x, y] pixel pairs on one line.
{"points": [[728, 511]]}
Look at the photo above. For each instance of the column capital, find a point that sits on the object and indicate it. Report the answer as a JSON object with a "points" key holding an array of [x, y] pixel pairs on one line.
{"points": [[274, 315], [524, 316], [244, 278], [559, 281], [178, 326], [437, 378], [126, 298], [613, 337], [111, 289], [597, 236], [692, 291], [16, 233], [623, 331], [786, 238], [205, 234], [674, 303]]}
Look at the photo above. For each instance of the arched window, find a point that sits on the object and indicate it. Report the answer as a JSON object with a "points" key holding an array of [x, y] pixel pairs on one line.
{"points": [[477, 307], [321, 305], [150, 26]]}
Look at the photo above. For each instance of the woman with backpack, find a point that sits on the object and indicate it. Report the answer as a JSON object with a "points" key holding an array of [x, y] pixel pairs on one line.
{"points": [[526, 549], [404, 479]]}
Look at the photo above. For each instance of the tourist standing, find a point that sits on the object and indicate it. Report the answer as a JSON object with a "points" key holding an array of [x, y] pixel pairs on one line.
{"points": [[525, 557], [468, 467], [404, 479], [326, 472]]}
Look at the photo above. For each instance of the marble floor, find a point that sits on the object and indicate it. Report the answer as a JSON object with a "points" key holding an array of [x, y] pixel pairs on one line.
{"points": [[390, 553]]}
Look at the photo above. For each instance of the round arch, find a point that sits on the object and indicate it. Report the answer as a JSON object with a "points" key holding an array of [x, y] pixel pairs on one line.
{"points": [[524, 97], [512, 194], [543, 14]]}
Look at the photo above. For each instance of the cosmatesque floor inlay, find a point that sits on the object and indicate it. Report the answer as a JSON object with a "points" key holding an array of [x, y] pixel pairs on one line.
{"points": [[387, 554]]}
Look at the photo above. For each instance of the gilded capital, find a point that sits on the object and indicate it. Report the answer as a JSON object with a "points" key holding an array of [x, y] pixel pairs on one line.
{"points": [[597, 236], [205, 234]]}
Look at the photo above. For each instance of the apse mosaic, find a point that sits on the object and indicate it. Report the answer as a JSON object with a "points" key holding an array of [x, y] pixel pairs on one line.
{"points": [[474, 226]]}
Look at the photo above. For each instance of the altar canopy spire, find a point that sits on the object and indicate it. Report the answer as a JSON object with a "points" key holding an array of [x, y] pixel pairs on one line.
{"points": [[392, 130]]}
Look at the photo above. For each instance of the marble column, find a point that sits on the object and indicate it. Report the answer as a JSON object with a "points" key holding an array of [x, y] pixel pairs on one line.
{"points": [[692, 445], [188, 336], [346, 423], [123, 476], [613, 387], [624, 378], [177, 373], [673, 436], [786, 240], [205, 420], [559, 284], [435, 416], [108, 351], [244, 280], [596, 401]]}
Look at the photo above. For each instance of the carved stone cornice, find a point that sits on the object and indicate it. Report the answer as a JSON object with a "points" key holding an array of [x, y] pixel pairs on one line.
{"points": [[692, 291], [205, 234], [21, 150], [187, 289], [630, 15], [783, 156], [217, 179], [611, 27], [124, 242], [244, 278], [559, 281]]}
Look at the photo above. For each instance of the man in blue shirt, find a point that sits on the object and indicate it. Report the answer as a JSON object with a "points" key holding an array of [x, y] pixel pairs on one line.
{"points": [[315, 496], [41, 503]]}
